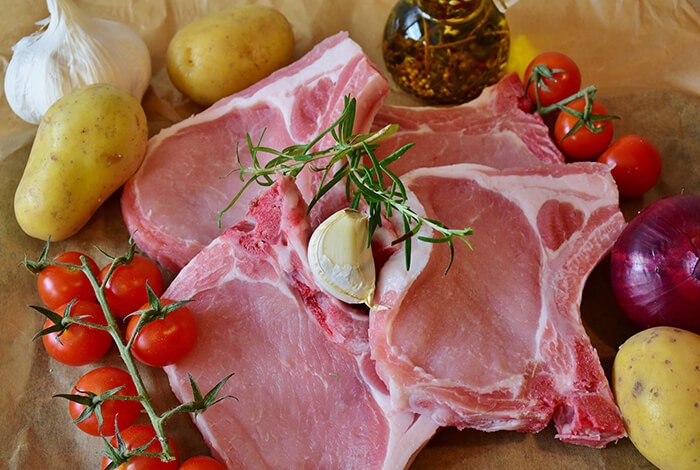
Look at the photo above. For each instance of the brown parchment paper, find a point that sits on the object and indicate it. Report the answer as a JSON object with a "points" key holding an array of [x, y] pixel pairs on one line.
{"points": [[643, 55]]}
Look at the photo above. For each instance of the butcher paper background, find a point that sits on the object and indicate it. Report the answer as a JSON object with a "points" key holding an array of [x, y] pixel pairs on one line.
{"points": [[644, 56]]}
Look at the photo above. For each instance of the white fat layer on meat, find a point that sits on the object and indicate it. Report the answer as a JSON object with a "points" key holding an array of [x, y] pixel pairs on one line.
{"points": [[420, 254], [305, 77], [408, 432], [295, 104], [539, 191], [537, 194]]}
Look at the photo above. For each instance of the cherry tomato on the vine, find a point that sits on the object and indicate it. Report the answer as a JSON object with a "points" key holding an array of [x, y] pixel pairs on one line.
{"points": [[124, 412], [126, 289], [565, 81], [583, 144], [163, 341], [635, 162], [59, 285], [78, 345], [202, 463], [136, 436]]}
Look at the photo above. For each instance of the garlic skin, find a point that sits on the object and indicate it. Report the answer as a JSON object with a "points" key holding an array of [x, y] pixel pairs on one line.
{"points": [[340, 258], [71, 50]]}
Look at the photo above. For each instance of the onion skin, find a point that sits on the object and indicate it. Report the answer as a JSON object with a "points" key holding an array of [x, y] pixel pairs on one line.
{"points": [[655, 265]]}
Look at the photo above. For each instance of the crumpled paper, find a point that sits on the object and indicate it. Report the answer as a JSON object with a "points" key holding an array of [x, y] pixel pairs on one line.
{"points": [[648, 44], [642, 54]]}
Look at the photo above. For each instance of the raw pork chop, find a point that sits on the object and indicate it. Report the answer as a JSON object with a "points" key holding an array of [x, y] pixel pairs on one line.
{"points": [[170, 205], [491, 130], [308, 393], [497, 343]]}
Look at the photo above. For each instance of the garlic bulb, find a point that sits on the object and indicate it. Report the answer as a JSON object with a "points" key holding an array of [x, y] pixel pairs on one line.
{"points": [[72, 50], [340, 258]]}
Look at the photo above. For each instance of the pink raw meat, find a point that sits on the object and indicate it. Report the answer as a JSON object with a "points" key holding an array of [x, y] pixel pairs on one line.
{"points": [[308, 394], [491, 130], [497, 343], [171, 203]]}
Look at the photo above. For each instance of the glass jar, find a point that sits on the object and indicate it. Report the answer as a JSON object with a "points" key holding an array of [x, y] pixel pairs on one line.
{"points": [[446, 51]]}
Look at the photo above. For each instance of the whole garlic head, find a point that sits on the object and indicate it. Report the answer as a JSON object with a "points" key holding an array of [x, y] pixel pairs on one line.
{"points": [[72, 50], [340, 258]]}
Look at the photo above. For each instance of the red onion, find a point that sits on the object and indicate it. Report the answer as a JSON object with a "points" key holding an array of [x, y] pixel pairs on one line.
{"points": [[656, 265]]}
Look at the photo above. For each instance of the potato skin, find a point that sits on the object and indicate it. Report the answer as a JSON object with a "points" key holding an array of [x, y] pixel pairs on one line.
{"points": [[87, 145], [656, 381], [225, 52]]}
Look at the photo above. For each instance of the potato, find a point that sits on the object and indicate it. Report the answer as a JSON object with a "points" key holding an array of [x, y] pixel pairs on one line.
{"points": [[656, 380], [225, 52], [87, 145]]}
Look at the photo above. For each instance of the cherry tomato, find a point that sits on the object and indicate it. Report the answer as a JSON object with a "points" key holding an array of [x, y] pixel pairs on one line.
{"points": [[98, 381], [163, 341], [136, 436], [126, 289], [202, 463], [78, 345], [635, 162], [59, 285], [582, 144], [565, 81]]}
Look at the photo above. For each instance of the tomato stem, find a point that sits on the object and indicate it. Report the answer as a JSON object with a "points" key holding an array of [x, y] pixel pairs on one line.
{"points": [[588, 92], [144, 397], [158, 310], [90, 325]]}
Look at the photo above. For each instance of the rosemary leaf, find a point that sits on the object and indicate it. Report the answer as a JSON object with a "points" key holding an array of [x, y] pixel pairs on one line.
{"points": [[352, 160]]}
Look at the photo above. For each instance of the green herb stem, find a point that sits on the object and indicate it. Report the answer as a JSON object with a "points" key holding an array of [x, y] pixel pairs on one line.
{"points": [[584, 118], [345, 161], [588, 92], [200, 403], [144, 397]]}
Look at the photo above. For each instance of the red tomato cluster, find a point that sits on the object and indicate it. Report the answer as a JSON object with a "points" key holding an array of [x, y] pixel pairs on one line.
{"points": [[560, 78], [635, 162], [106, 398], [58, 285], [125, 292], [141, 434], [584, 143], [137, 436], [121, 412], [202, 463], [581, 132], [78, 345], [163, 341], [126, 288]]}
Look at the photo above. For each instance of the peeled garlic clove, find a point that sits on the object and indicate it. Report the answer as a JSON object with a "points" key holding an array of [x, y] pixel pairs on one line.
{"points": [[340, 258], [70, 51]]}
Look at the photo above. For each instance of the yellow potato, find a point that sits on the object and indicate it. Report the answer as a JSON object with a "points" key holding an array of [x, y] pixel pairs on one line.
{"points": [[225, 52], [87, 145], [656, 380]]}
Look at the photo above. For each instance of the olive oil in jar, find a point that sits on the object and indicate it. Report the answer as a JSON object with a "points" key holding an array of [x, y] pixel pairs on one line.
{"points": [[446, 51]]}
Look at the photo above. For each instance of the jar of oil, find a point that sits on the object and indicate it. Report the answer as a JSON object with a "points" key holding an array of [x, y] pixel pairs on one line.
{"points": [[446, 51]]}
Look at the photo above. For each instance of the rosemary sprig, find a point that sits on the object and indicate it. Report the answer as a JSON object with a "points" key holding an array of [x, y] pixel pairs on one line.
{"points": [[351, 160]]}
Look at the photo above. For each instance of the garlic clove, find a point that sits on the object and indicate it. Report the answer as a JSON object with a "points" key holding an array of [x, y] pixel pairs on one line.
{"points": [[72, 50], [341, 259]]}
